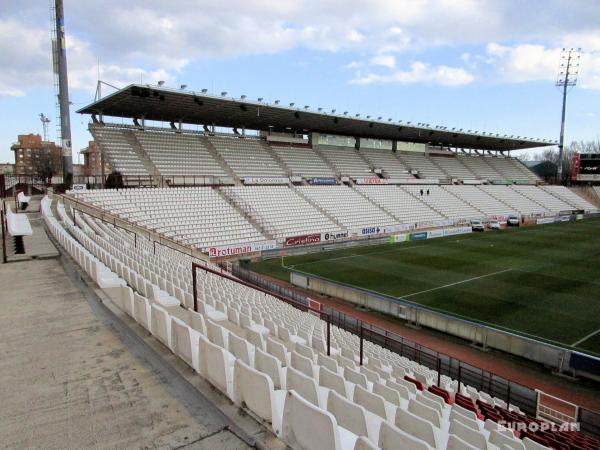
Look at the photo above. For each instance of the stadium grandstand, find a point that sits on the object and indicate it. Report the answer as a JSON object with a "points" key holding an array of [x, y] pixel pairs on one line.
{"points": [[170, 247]]}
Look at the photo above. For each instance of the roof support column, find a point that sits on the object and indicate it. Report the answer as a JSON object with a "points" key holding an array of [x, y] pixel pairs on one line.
{"points": [[394, 146]]}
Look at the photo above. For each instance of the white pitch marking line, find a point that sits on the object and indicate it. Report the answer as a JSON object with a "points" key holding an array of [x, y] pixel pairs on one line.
{"points": [[592, 334], [454, 284]]}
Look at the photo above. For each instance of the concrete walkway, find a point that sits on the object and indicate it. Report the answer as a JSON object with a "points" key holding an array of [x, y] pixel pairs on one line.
{"points": [[76, 372]]}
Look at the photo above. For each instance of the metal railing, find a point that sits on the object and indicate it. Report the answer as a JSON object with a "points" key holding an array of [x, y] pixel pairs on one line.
{"points": [[495, 385]]}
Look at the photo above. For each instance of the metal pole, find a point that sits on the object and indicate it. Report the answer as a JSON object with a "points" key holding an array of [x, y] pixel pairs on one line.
{"points": [[4, 258], [459, 371], [561, 142], [361, 344], [63, 93], [508, 395], [196, 292], [328, 335], [439, 368]]}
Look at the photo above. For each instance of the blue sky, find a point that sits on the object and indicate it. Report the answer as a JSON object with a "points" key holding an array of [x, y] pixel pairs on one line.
{"points": [[471, 64]]}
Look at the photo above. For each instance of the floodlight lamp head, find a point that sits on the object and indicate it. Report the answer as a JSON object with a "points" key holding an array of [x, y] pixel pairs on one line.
{"points": [[183, 86], [204, 91], [161, 82], [277, 102], [223, 94]]}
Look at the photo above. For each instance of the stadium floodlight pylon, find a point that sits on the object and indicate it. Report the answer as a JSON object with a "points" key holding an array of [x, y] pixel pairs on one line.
{"points": [[59, 58], [567, 78]]}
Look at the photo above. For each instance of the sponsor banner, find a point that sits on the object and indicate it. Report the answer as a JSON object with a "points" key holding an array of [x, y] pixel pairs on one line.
{"points": [[397, 238], [563, 218], [579, 217], [266, 180], [325, 237], [418, 236], [296, 179], [457, 230], [323, 180], [472, 181], [419, 180], [506, 182], [545, 220], [499, 218], [394, 228], [371, 180], [369, 231], [239, 249], [303, 240], [79, 187], [435, 234]]}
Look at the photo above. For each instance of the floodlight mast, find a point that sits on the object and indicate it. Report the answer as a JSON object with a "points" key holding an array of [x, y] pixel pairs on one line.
{"points": [[60, 67], [567, 78]]}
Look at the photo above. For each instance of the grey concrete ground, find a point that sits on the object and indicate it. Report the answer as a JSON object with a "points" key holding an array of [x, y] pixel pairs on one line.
{"points": [[77, 373]]}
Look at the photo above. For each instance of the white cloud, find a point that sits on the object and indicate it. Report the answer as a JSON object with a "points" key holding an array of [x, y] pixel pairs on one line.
{"points": [[420, 73], [526, 62], [388, 61], [162, 38]]}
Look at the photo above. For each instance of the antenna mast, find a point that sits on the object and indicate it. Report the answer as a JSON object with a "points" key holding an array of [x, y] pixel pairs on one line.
{"points": [[45, 121]]}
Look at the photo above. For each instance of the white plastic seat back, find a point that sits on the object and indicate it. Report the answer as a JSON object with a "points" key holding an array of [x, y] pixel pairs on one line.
{"points": [[278, 350], [304, 386], [473, 424], [198, 322], [456, 443], [402, 390], [161, 324], [184, 341], [415, 426], [241, 349], [271, 366], [355, 377], [475, 438], [255, 390], [393, 438], [463, 412], [391, 395], [308, 427], [363, 443], [328, 362], [217, 334], [333, 381], [499, 439], [218, 367], [532, 445], [302, 364], [353, 417], [373, 403], [425, 412], [141, 311]]}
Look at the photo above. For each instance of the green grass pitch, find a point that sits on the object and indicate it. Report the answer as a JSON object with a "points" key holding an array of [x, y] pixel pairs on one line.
{"points": [[541, 281]]}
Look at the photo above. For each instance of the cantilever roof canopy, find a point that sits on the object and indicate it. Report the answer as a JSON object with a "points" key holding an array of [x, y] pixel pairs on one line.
{"points": [[163, 104]]}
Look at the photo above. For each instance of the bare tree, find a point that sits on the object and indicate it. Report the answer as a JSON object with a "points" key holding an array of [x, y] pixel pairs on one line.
{"points": [[46, 165]]}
